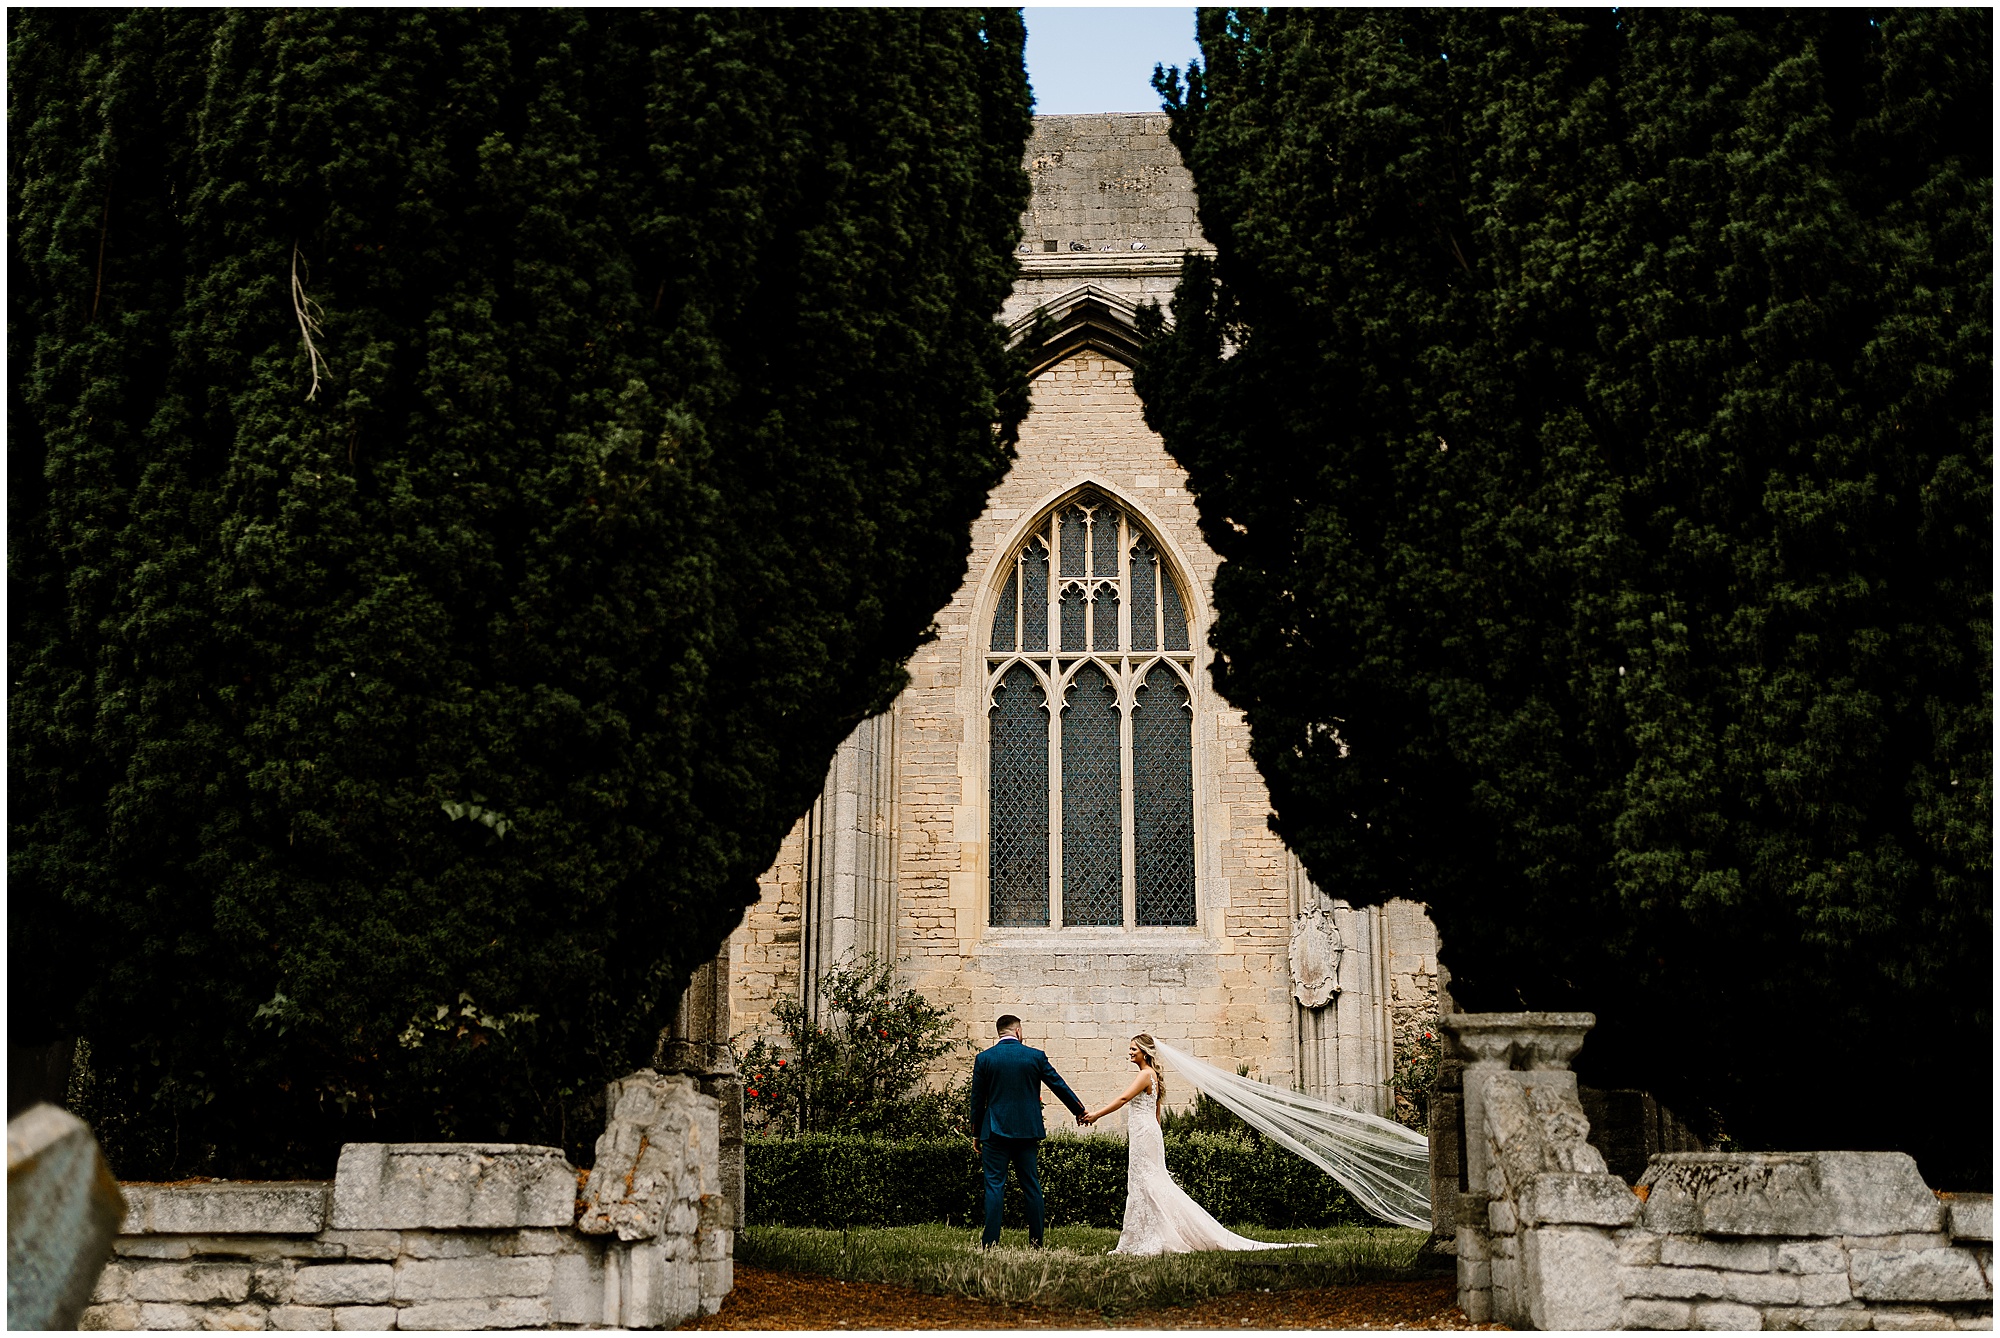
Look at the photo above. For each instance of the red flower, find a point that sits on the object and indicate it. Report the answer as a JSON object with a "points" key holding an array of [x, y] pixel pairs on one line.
{"points": [[885, 1033], [781, 1063], [753, 1091]]}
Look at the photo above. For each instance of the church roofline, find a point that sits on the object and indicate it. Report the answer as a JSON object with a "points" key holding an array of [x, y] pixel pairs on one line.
{"points": [[1084, 317]]}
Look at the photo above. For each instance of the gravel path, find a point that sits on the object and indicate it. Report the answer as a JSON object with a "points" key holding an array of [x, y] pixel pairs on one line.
{"points": [[764, 1299]]}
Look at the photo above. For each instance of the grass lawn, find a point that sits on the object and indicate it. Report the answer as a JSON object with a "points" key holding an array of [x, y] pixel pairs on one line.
{"points": [[1076, 1269]]}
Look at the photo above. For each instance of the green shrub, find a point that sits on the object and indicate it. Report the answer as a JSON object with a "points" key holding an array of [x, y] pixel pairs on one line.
{"points": [[862, 1070], [831, 1180]]}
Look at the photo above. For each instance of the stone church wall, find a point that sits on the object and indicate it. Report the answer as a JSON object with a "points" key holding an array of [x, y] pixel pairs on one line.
{"points": [[1223, 988]]}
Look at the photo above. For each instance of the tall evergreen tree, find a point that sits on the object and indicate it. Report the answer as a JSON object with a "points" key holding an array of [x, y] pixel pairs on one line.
{"points": [[1593, 411], [470, 469]]}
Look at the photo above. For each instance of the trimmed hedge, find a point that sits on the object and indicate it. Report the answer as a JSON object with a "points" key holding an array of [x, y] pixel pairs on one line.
{"points": [[836, 1180]]}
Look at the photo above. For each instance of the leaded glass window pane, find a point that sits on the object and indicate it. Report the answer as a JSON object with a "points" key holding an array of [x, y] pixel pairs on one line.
{"points": [[1003, 617], [1104, 543], [1145, 588], [1035, 597], [1104, 619], [1075, 547], [1173, 616], [1074, 606], [1066, 597], [1092, 826], [1163, 800], [1019, 844]]}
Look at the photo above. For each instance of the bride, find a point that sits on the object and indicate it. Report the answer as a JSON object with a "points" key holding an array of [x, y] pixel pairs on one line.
{"points": [[1383, 1165], [1159, 1216]]}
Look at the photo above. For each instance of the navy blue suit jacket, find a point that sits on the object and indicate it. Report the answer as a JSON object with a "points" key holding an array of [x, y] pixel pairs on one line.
{"points": [[1007, 1084]]}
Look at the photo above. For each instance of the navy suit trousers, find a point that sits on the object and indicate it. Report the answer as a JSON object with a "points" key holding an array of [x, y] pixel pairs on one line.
{"points": [[995, 1156]]}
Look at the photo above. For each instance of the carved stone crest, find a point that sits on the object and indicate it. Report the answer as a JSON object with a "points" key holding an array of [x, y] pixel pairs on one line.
{"points": [[1316, 949]]}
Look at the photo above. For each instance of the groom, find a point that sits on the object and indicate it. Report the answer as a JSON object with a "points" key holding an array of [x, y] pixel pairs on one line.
{"points": [[1007, 1121]]}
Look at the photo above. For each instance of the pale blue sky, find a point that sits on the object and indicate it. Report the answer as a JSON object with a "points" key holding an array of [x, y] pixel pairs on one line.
{"points": [[1101, 59]]}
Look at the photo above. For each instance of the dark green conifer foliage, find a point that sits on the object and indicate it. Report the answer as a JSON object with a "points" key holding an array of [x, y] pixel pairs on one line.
{"points": [[1593, 411], [386, 753]]}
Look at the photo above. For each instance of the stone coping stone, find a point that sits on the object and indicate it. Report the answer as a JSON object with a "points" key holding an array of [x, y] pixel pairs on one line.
{"points": [[1970, 1215], [227, 1208], [1788, 1194], [404, 1186]]}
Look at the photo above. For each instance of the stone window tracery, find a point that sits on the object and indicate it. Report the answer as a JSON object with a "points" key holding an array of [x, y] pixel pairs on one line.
{"points": [[1090, 728]]}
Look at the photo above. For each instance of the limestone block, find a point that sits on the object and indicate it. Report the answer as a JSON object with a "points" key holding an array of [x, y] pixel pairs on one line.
{"points": [[528, 1242], [1570, 1274], [63, 1209], [1837, 1319], [448, 1244], [263, 1249], [457, 1279], [714, 1278], [166, 1315], [301, 1318], [1970, 1216], [390, 1186], [1948, 1274], [364, 1244], [1903, 1240], [151, 1247], [1760, 1288], [1676, 1283], [1810, 1256], [364, 1318], [343, 1284], [119, 1315], [223, 1207], [1637, 1249], [1653, 1314], [111, 1283], [658, 1150], [576, 1288], [512, 1312], [1788, 1194], [191, 1283], [658, 1283], [1694, 1252], [1563, 1196], [1727, 1317], [1500, 1217], [1910, 1318], [248, 1318], [1824, 1289], [272, 1282]]}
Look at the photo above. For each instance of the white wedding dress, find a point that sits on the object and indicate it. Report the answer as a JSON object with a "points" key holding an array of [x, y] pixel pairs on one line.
{"points": [[1159, 1216]]}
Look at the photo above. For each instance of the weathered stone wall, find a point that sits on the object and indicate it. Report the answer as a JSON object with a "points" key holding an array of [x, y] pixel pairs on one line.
{"points": [[1106, 182], [444, 1236], [1549, 1239]]}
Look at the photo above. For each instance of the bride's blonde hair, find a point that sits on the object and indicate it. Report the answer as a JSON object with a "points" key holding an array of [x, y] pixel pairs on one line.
{"points": [[1151, 1050]]}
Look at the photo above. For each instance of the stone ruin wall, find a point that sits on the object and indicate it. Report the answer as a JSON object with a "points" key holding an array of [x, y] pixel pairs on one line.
{"points": [[1548, 1238], [445, 1236]]}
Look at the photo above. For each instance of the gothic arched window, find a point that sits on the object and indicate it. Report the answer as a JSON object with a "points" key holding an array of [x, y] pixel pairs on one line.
{"points": [[1091, 803]]}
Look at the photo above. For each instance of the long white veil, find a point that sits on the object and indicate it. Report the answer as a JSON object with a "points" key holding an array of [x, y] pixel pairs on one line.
{"points": [[1386, 1167]]}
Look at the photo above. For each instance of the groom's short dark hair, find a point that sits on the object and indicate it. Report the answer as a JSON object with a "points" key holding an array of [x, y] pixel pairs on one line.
{"points": [[1007, 1023]]}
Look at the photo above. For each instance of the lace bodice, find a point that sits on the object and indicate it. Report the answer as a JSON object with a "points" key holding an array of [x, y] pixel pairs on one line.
{"points": [[1147, 1102]]}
